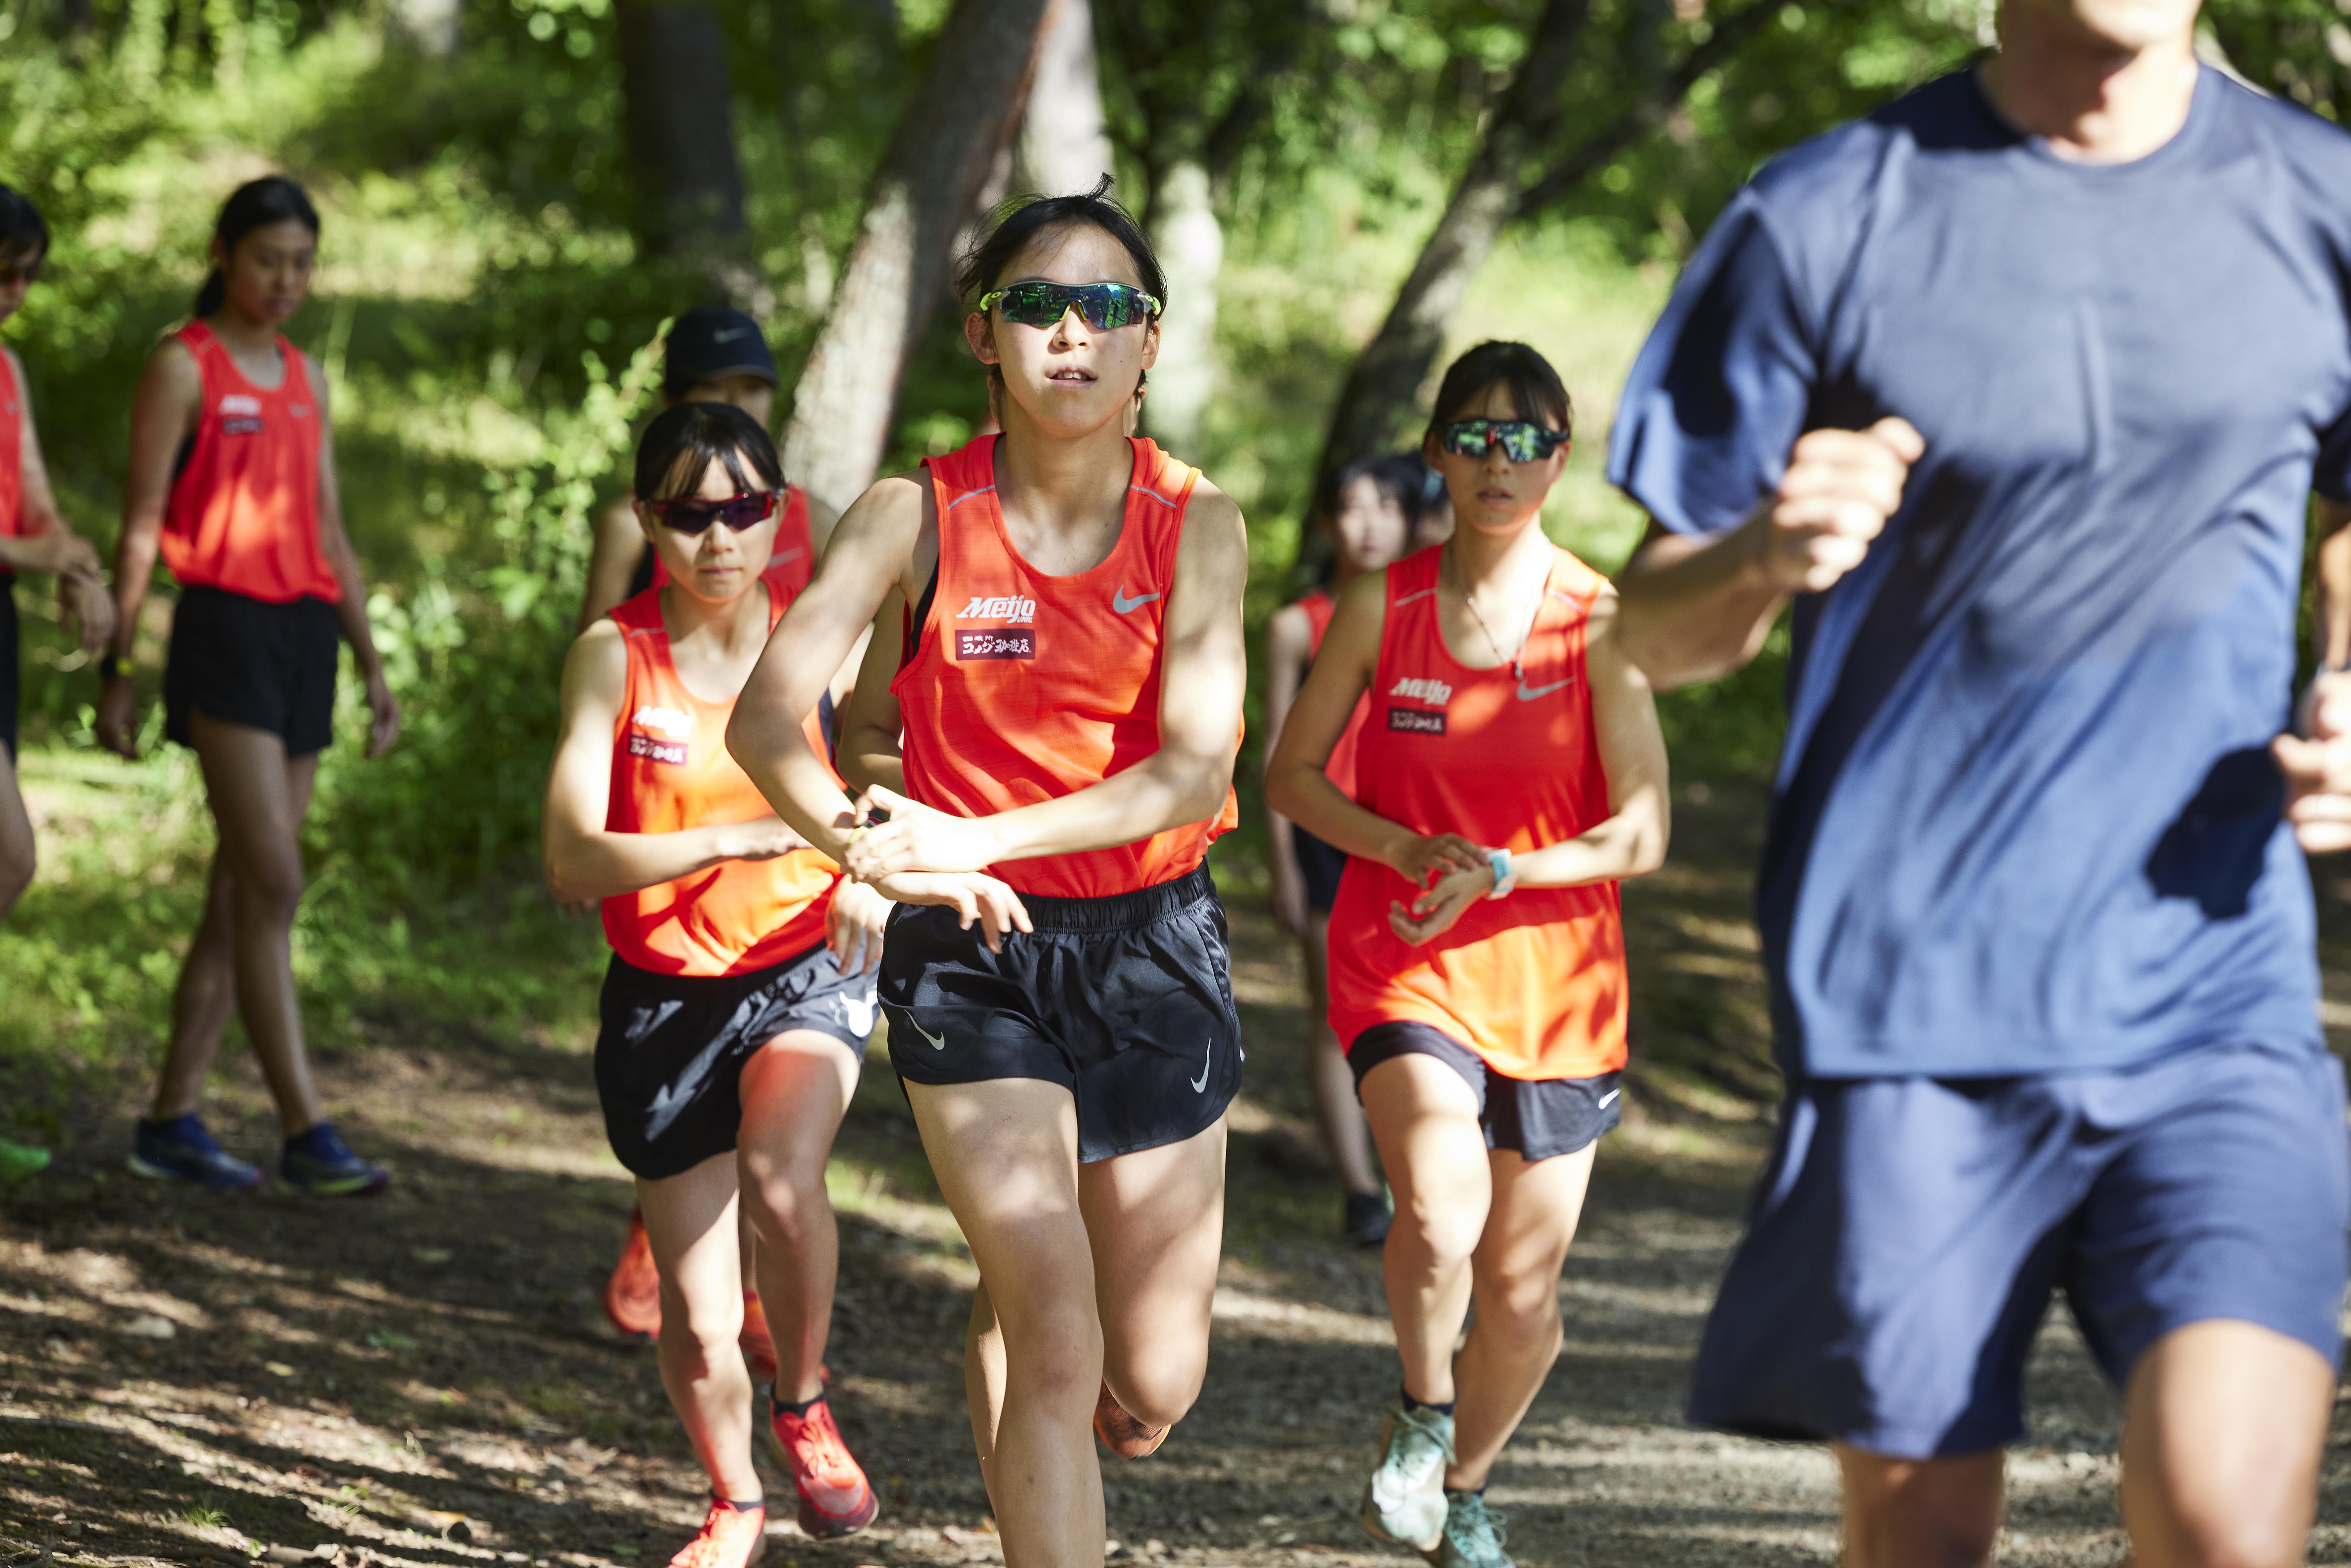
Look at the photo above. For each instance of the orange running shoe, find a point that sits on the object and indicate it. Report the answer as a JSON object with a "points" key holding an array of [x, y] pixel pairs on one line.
{"points": [[834, 1498], [730, 1538], [632, 1295], [1120, 1433], [759, 1348]]}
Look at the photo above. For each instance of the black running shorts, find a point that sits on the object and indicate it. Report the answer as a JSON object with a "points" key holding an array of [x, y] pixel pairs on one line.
{"points": [[670, 1055], [9, 654], [1320, 866], [1533, 1118], [1125, 1001], [245, 660]]}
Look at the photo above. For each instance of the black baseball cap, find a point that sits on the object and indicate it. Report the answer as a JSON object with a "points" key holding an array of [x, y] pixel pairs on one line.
{"points": [[709, 341]]}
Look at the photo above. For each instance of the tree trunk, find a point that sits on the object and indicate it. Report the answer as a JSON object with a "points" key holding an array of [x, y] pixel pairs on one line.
{"points": [[1377, 402], [680, 134], [1191, 245], [1064, 136], [960, 116]]}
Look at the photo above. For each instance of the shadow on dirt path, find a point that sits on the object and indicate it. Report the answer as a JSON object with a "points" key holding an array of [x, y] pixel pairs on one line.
{"points": [[426, 1378]]}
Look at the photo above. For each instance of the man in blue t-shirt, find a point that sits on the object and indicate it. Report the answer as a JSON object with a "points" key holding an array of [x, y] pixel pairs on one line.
{"points": [[2020, 388]]}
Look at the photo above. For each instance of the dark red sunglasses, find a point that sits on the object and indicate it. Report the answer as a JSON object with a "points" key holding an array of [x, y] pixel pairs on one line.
{"points": [[690, 516]]}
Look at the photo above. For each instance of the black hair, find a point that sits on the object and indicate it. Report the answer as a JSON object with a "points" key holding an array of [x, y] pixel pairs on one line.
{"points": [[1535, 388], [686, 438], [23, 233], [1399, 476], [1023, 218], [256, 203]]}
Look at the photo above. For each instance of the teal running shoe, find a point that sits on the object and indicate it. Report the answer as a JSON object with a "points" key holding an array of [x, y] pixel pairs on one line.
{"points": [[320, 1163], [181, 1150], [20, 1162], [1473, 1536], [1404, 1502]]}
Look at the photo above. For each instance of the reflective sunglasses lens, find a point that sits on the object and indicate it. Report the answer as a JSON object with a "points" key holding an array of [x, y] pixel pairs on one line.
{"points": [[1035, 304], [748, 511], [1470, 438], [689, 518]]}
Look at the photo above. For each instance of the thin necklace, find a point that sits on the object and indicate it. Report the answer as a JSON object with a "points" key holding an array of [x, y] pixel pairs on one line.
{"points": [[1517, 661]]}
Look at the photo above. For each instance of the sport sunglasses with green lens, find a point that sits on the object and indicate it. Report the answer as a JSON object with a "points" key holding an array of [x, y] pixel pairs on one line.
{"points": [[1522, 440], [686, 516], [1107, 306]]}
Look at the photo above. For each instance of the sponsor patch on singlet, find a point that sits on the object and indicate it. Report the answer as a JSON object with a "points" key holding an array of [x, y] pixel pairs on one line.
{"points": [[1011, 607], [240, 414], [671, 752], [1007, 642], [1416, 721]]}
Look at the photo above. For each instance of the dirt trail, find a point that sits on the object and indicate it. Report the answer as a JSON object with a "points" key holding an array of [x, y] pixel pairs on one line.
{"points": [[427, 1379]]}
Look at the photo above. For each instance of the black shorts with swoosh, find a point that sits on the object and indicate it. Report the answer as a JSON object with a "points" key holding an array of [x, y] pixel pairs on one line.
{"points": [[1125, 1001]]}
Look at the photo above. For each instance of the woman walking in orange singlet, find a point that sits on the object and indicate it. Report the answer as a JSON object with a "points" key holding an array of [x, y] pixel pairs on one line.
{"points": [[233, 476], [1511, 773], [1069, 605], [740, 991]]}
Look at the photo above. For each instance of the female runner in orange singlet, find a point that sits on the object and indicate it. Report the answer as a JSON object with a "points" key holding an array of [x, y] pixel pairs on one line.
{"points": [[1069, 603], [233, 476], [1511, 773], [1370, 510], [740, 991]]}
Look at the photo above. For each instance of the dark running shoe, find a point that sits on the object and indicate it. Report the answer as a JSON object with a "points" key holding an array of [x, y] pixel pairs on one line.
{"points": [[320, 1163], [1365, 1223], [181, 1150], [1120, 1433]]}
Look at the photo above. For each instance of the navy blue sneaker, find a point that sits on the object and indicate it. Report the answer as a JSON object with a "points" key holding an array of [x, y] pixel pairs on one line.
{"points": [[320, 1163], [181, 1150]]}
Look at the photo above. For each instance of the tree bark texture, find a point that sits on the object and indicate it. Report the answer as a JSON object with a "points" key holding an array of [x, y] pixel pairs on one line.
{"points": [[1377, 404], [1064, 135], [1191, 246], [960, 118], [679, 132], [1378, 397]]}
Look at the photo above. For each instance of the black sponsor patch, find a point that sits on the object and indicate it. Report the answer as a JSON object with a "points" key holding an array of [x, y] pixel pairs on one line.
{"points": [[1008, 642], [244, 425], [669, 751], [1416, 721]]}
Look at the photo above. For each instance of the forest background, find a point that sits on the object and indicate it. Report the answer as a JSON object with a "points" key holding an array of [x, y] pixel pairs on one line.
{"points": [[517, 193]]}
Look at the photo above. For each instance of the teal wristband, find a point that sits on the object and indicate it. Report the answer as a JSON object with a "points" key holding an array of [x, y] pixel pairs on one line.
{"points": [[1503, 880]]}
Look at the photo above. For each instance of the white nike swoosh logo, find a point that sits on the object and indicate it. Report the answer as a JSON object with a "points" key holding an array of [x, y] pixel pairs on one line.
{"points": [[1528, 693], [1200, 1084], [938, 1041], [1606, 1099], [1121, 603]]}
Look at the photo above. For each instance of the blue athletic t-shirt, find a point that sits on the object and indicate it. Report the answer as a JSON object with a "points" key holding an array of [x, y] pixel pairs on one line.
{"points": [[2026, 820]]}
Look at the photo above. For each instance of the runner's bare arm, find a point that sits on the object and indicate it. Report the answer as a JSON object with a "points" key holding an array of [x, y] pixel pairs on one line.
{"points": [[1203, 675], [2317, 762], [1630, 842], [870, 555], [1289, 638], [47, 543], [617, 543], [1295, 783], [870, 724], [582, 858], [335, 543], [162, 413], [1696, 609]]}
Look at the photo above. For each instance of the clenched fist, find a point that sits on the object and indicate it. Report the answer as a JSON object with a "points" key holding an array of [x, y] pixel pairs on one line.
{"points": [[1833, 502]]}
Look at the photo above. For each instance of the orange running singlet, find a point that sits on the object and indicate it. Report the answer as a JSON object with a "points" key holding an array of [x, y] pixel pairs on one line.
{"points": [[1340, 768], [1533, 982], [1023, 687], [794, 562], [670, 770], [243, 514], [12, 453]]}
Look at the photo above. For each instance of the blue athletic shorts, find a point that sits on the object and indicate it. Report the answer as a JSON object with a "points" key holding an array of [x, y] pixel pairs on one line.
{"points": [[1909, 1232]]}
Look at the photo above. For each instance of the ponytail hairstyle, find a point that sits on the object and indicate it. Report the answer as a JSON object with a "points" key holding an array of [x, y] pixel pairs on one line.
{"points": [[1535, 388], [256, 203], [686, 438], [1023, 218], [23, 233]]}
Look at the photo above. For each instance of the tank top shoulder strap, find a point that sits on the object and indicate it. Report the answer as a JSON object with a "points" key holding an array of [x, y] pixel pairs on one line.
{"points": [[298, 369], [1412, 596], [957, 476], [1156, 499], [202, 343]]}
